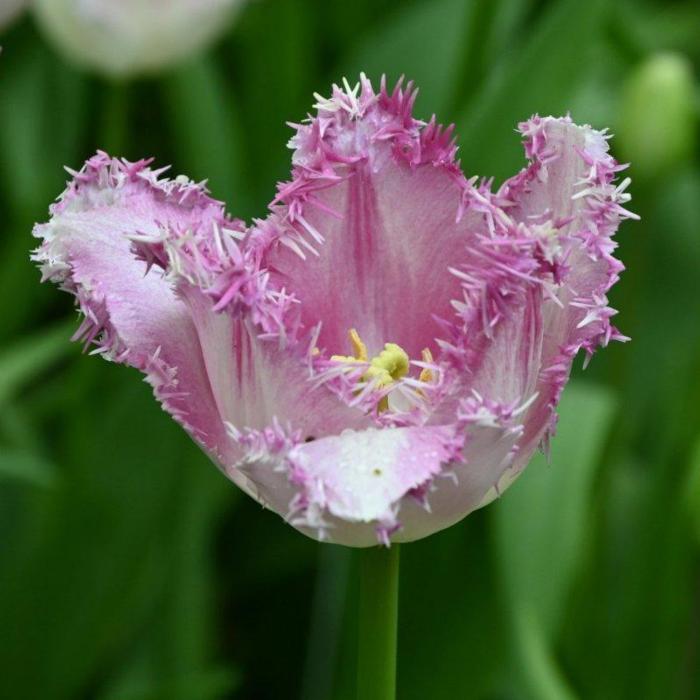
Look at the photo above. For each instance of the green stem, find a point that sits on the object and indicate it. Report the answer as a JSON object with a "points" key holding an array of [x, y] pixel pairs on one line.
{"points": [[326, 621], [379, 598]]}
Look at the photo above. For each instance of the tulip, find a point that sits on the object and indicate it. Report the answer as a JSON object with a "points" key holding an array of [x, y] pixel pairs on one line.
{"points": [[132, 36], [383, 353]]}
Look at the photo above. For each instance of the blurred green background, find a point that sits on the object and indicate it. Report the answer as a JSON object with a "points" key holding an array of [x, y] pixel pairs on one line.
{"points": [[130, 569]]}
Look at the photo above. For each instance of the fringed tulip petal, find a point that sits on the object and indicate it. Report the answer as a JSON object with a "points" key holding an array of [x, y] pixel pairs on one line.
{"points": [[254, 381], [130, 311], [569, 195]]}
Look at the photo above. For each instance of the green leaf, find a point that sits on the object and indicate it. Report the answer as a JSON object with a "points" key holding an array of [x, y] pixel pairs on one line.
{"points": [[693, 492], [31, 356], [540, 524], [541, 676], [211, 684], [542, 76], [119, 550], [42, 112], [508, 17], [282, 38], [23, 465], [452, 627], [425, 42], [205, 129], [329, 596], [37, 139]]}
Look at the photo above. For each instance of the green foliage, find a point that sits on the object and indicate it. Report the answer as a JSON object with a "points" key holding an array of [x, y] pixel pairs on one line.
{"points": [[541, 535], [131, 570], [540, 528], [539, 74]]}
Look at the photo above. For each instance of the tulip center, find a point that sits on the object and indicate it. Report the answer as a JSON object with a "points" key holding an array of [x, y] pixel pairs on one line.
{"points": [[386, 368]]}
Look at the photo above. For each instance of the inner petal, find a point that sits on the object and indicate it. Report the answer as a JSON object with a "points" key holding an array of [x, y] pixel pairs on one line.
{"points": [[255, 382], [382, 267]]}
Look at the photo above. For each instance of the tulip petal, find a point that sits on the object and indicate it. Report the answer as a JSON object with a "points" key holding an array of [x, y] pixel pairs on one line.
{"points": [[256, 381], [371, 222], [466, 485], [348, 487], [131, 312], [569, 190], [391, 484]]}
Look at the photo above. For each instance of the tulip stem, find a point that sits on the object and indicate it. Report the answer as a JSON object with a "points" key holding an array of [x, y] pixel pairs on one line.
{"points": [[379, 599]]}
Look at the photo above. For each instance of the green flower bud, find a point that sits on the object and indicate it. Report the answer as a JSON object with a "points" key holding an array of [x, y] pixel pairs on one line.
{"points": [[657, 117]]}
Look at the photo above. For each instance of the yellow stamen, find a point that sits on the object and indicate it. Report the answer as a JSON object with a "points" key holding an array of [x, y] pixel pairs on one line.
{"points": [[426, 375], [359, 348], [384, 369]]}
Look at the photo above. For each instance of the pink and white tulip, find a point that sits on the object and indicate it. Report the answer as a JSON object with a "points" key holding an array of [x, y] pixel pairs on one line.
{"points": [[383, 353], [125, 37]]}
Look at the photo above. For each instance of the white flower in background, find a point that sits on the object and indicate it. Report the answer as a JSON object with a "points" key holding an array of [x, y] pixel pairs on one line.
{"points": [[125, 37], [9, 9]]}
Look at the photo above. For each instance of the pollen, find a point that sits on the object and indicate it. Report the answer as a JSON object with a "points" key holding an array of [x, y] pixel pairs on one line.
{"points": [[391, 364]]}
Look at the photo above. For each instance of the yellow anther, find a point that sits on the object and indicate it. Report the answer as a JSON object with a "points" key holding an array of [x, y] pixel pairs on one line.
{"points": [[359, 348], [426, 375]]}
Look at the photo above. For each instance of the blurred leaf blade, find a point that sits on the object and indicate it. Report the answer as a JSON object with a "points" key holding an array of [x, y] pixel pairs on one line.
{"points": [[206, 129], [33, 134], [540, 77], [692, 495], [36, 141], [543, 680], [31, 356], [424, 42], [26, 466], [540, 524]]}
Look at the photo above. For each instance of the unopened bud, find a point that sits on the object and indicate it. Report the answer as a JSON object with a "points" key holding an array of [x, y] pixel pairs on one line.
{"points": [[657, 115]]}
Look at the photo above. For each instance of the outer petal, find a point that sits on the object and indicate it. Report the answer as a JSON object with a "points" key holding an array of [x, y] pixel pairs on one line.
{"points": [[130, 312], [359, 476], [391, 484], [348, 488], [568, 193], [466, 484]]}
